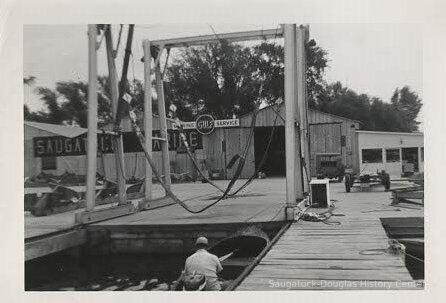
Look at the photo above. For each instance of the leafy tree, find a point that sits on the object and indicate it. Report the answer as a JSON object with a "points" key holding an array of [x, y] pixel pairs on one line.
{"points": [[399, 115], [226, 79], [408, 104], [67, 103]]}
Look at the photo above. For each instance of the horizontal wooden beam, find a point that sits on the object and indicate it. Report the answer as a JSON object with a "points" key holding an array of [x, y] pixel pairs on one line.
{"points": [[42, 247], [230, 37], [97, 215]]}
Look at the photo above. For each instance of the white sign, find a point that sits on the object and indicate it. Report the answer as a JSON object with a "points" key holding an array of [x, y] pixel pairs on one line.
{"points": [[218, 123], [227, 123]]}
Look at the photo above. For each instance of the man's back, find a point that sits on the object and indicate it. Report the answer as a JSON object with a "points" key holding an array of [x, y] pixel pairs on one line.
{"points": [[203, 262]]}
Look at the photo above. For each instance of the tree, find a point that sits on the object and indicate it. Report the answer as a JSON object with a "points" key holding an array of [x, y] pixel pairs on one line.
{"points": [[67, 103], [398, 115], [408, 104], [225, 79]]}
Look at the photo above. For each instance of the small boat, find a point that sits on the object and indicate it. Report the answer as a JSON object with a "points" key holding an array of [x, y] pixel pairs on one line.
{"points": [[235, 252]]}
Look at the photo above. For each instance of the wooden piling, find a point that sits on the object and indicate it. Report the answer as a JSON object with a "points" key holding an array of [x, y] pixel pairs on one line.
{"points": [[148, 127], [92, 117]]}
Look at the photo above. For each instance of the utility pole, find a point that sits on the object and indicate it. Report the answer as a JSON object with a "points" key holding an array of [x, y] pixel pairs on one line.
{"points": [[114, 93], [92, 144]]}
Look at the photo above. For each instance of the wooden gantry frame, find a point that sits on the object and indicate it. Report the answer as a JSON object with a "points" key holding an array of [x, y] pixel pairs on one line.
{"points": [[296, 130]]}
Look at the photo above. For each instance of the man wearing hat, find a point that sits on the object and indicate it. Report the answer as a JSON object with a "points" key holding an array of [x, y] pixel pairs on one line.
{"points": [[204, 263]]}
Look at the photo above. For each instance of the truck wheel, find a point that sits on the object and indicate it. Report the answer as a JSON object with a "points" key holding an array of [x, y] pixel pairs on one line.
{"points": [[347, 183]]}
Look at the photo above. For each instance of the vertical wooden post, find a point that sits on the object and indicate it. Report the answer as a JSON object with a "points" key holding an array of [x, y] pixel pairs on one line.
{"points": [[92, 117], [114, 93], [148, 127], [163, 122], [301, 40], [292, 144]]}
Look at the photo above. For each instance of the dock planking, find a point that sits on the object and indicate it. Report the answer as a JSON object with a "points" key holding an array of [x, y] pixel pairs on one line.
{"points": [[314, 255], [260, 202]]}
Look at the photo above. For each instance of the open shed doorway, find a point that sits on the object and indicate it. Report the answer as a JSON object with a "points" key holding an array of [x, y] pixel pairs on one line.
{"points": [[410, 160], [274, 165]]}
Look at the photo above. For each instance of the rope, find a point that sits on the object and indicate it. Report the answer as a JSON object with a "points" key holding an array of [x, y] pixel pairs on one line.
{"points": [[319, 217], [136, 166], [262, 161], [394, 247], [141, 139], [115, 51], [104, 29], [189, 153], [241, 158]]}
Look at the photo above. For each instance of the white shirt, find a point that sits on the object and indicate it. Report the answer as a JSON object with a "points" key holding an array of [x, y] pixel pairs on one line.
{"points": [[203, 262]]}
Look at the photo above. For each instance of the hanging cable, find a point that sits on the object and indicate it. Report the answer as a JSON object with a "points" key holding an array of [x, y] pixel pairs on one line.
{"points": [[115, 51], [168, 191], [165, 63], [102, 28], [262, 161]]}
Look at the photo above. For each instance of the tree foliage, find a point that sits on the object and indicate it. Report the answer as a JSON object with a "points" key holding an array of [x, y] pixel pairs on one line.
{"points": [[226, 79], [230, 79], [67, 103], [374, 114]]}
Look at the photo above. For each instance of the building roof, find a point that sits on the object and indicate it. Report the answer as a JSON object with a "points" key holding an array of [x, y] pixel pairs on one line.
{"points": [[390, 133], [59, 130], [269, 106]]}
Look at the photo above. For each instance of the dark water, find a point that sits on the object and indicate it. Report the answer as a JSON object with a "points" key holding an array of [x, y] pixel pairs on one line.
{"points": [[414, 265], [106, 272], [83, 272]]}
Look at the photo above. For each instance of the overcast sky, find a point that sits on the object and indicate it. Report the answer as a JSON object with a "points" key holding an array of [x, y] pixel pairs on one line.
{"points": [[369, 58]]}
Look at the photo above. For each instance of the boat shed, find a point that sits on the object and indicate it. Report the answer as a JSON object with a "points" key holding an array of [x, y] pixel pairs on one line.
{"points": [[57, 148], [328, 134]]}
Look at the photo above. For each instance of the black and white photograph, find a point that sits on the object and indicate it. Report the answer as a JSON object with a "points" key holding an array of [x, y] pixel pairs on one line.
{"points": [[277, 155]]}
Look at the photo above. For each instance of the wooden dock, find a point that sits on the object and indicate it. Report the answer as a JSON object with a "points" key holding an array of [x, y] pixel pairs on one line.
{"points": [[262, 201], [351, 255]]}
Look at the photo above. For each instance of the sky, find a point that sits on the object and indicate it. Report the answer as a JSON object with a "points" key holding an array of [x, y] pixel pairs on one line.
{"points": [[369, 58]]}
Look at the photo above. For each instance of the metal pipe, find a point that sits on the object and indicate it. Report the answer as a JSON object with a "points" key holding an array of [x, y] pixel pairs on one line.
{"points": [[92, 118], [148, 127]]}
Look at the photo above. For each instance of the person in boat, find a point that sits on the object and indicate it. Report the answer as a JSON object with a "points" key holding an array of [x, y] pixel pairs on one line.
{"points": [[204, 263]]}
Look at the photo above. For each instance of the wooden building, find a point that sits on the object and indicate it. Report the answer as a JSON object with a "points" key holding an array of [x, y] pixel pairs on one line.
{"points": [[328, 134], [57, 149]]}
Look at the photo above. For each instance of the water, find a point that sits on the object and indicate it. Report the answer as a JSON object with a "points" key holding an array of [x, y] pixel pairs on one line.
{"points": [[116, 272], [67, 272]]}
